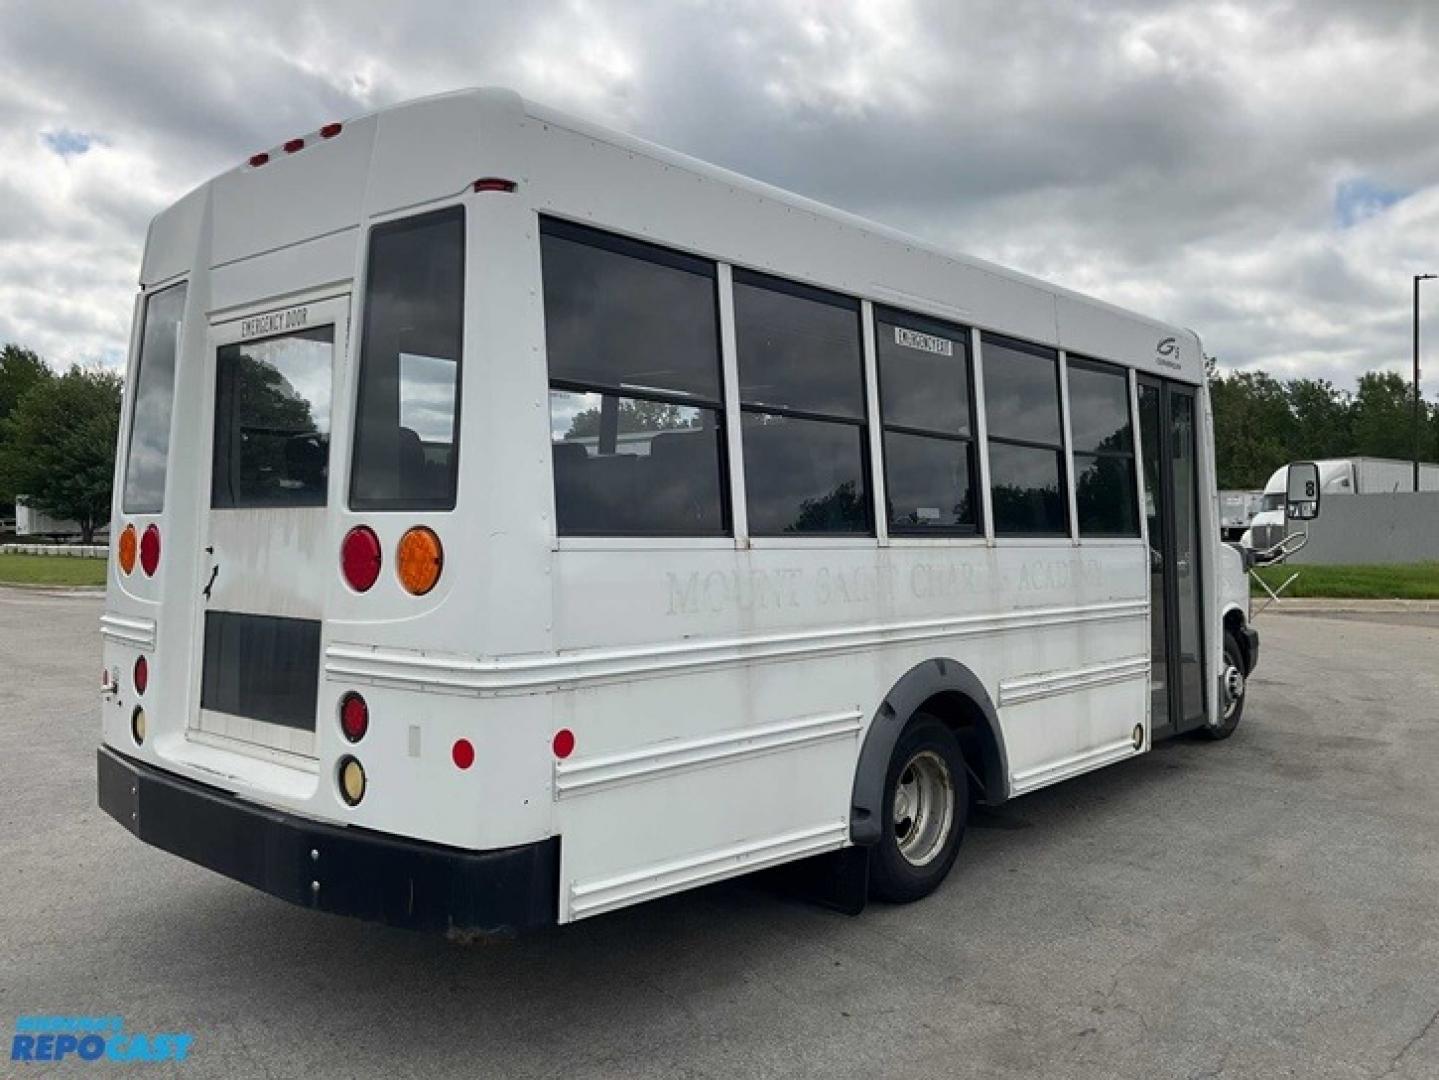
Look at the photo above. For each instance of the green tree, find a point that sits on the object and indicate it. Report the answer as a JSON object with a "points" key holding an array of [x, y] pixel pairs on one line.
{"points": [[1255, 428], [1383, 416], [20, 369], [1322, 414], [57, 446]]}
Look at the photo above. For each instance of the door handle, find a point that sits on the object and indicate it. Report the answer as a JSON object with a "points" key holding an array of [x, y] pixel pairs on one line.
{"points": [[214, 573]]}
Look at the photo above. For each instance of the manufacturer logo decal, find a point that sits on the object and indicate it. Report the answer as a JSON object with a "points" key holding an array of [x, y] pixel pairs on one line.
{"points": [[1166, 353]]}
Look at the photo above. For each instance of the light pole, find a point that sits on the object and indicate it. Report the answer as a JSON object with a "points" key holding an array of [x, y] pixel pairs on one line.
{"points": [[1418, 401]]}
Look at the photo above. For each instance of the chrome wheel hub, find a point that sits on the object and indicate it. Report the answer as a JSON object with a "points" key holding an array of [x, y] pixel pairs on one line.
{"points": [[923, 808], [1233, 683]]}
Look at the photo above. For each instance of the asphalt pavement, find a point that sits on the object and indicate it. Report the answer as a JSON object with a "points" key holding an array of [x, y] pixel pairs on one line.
{"points": [[1263, 907]]}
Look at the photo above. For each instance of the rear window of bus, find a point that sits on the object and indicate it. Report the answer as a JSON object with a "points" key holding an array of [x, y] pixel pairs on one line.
{"points": [[149, 451], [407, 434]]}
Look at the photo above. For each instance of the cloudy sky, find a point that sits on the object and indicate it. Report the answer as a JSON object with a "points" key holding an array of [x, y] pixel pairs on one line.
{"points": [[1266, 172]]}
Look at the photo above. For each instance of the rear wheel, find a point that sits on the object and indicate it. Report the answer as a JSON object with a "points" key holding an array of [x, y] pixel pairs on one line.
{"points": [[1231, 691], [926, 806]]}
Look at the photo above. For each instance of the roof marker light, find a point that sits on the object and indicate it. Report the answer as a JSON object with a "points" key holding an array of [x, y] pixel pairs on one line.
{"points": [[494, 183], [293, 146], [329, 131], [256, 160]]}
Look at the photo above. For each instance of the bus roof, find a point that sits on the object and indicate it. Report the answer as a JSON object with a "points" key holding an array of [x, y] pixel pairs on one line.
{"points": [[335, 184]]}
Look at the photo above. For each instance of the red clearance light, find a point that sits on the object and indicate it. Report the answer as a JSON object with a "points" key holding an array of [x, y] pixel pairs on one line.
{"points": [[354, 716], [293, 145], [329, 131], [150, 550], [142, 674], [256, 160], [360, 557], [494, 183], [463, 753], [564, 744]]}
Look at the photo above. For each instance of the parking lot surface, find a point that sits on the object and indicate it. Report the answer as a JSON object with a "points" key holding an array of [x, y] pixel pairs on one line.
{"points": [[1263, 907]]}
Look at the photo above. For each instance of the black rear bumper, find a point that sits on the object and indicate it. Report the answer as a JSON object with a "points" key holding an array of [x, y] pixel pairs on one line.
{"points": [[346, 871]]}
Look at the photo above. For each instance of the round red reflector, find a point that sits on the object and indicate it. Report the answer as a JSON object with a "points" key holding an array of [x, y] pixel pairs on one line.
{"points": [[564, 743], [150, 550], [360, 557], [354, 716], [256, 160], [142, 674], [294, 145], [463, 752], [329, 131]]}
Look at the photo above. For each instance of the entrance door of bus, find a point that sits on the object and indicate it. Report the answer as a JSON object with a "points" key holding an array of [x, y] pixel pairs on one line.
{"points": [[1168, 430], [261, 605]]}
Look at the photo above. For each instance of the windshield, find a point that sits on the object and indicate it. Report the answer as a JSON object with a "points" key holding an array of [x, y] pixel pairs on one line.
{"points": [[1273, 501]]}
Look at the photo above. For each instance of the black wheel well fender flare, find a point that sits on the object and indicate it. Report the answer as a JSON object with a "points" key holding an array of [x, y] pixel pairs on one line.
{"points": [[951, 691]]}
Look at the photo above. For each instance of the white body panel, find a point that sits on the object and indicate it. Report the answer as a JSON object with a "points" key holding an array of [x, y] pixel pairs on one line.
{"points": [[719, 690]]}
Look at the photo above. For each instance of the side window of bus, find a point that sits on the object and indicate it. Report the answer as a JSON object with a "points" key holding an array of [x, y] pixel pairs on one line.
{"points": [[801, 376], [1026, 438], [1104, 485], [407, 411], [930, 466], [149, 451], [636, 418]]}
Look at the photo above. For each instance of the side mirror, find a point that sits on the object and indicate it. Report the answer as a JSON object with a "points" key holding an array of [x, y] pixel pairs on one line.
{"points": [[1302, 487]]}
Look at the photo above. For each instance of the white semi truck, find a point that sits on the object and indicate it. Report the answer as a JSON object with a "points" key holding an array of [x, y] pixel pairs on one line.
{"points": [[1337, 476]]}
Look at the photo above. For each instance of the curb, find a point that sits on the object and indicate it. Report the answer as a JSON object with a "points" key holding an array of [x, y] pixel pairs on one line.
{"points": [[1311, 605]]}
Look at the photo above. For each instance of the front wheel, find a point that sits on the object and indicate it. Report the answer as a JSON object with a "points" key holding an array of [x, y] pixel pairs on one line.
{"points": [[926, 806], [1231, 691]]}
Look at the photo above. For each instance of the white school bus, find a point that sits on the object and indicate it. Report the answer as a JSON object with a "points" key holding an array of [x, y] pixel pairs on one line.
{"points": [[516, 521]]}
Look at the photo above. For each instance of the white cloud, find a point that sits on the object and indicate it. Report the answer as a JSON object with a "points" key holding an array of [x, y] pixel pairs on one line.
{"points": [[1262, 171]]}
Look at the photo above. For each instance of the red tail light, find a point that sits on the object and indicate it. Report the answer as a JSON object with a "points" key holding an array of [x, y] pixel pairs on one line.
{"points": [[142, 674], [150, 550], [360, 557], [354, 716]]}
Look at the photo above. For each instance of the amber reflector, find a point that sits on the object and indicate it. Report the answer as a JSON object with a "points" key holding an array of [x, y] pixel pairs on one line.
{"points": [[419, 559], [352, 780], [129, 546]]}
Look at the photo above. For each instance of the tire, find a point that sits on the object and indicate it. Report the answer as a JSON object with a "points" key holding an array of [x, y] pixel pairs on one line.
{"points": [[1232, 690], [926, 807]]}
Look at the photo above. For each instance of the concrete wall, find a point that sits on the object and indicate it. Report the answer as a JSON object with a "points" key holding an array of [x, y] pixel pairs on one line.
{"points": [[1402, 527]]}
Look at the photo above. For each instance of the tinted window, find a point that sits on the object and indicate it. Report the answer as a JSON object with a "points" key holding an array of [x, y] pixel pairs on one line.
{"points": [[1021, 392], [804, 476], [799, 348], [272, 421], [1099, 408], [407, 415], [1028, 490], [925, 404], [929, 483], [149, 452], [1104, 495], [802, 390], [1026, 444], [923, 374], [1104, 480], [625, 466], [628, 316], [632, 317]]}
